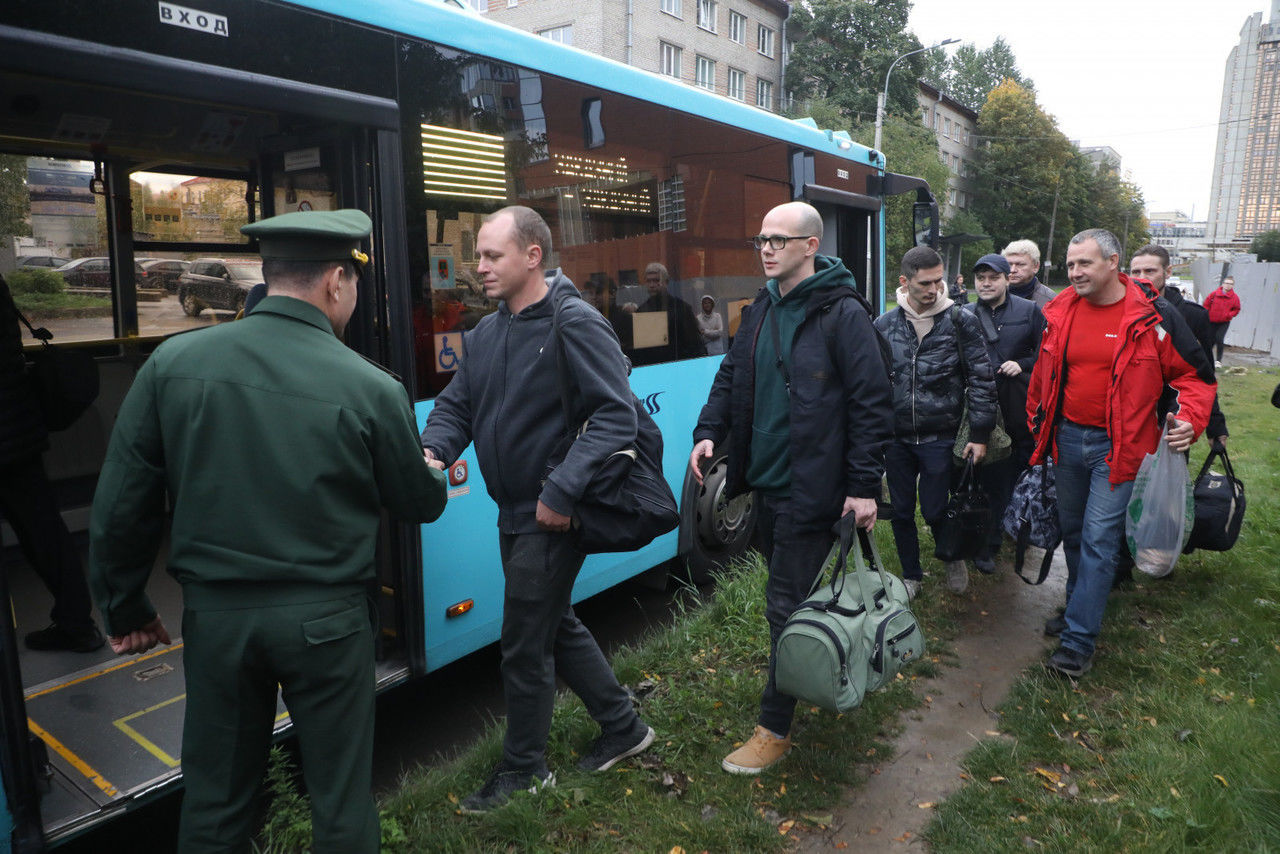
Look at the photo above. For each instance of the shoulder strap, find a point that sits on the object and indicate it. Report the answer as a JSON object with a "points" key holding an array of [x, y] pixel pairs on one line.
{"points": [[964, 363], [771, 310], [562, 364]]}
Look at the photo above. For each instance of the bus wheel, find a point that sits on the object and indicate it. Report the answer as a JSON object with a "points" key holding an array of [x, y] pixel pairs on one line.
{"points": [[721, 528]]}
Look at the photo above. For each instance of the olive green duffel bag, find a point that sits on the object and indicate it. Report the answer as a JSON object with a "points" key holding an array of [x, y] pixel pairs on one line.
{"points": [[851, 635]]}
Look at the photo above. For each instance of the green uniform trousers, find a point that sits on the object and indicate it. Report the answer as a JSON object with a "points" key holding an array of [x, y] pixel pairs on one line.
{"points": [[321, 655]]}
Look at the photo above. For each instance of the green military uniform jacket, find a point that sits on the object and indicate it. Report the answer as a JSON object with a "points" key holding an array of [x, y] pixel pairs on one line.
{"points": [[278, 446]]}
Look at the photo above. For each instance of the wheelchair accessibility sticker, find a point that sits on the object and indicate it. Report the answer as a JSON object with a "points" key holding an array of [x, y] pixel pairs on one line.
{"points": [[448, 351]]}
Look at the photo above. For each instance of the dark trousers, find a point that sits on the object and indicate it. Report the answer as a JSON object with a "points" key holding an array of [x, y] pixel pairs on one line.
{"points": [[905, 463], [541, 638], [28, 503], [1219, 332], [997, 481], [321, 655], [794, 559]]}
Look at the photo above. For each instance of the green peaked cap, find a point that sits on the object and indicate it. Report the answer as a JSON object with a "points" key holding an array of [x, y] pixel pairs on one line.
{"points": [[312, 236]]}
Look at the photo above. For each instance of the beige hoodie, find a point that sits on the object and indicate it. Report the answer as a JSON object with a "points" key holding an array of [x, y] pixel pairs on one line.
{"points": [[922, 322]]}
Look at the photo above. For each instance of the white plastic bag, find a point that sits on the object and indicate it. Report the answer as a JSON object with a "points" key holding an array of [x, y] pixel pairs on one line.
{"points": [[1161, 511]]}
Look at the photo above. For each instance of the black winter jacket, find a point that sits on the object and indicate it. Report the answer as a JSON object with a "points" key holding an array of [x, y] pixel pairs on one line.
{"points": [[929, 386], [506, 397], [1197, 317], [22, 431], [1018, 325], [841, 406]]}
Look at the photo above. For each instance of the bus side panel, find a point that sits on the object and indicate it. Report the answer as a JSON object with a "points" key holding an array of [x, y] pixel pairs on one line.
{"points": [[460, 558]]}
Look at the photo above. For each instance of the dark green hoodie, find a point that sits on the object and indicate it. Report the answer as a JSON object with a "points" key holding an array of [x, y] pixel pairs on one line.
{"points": [[769, 466]]}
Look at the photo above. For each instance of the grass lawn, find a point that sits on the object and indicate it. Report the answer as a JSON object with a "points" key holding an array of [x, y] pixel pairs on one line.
{"points": [[51, 305], [1172, 741]]}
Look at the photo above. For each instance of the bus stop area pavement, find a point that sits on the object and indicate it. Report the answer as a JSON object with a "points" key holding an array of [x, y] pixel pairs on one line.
{"points": [[1001, 633]]}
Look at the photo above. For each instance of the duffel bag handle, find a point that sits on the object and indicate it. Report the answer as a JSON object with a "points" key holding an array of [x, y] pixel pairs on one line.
{"points": [[865, 557]]}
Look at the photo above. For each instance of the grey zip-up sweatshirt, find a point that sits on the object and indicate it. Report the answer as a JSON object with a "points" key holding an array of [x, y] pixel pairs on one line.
{"points": [[506, 398]]}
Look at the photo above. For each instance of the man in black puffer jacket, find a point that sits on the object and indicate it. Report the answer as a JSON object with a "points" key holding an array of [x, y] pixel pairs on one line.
{"points": [[931, 385], [28, 503], [803, 400]]}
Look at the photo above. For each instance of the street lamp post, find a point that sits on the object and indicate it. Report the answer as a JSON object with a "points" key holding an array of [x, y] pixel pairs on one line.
{"points": [[884, 95]]}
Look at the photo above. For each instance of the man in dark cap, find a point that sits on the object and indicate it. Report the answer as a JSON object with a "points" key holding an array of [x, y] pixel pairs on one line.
{"points": [[1011, 327], [279, 447]]}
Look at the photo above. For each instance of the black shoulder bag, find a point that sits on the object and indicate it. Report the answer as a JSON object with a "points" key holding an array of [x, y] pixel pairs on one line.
{"points": [[627, 502], [1219, 506], [999, 445], [66, 381]]}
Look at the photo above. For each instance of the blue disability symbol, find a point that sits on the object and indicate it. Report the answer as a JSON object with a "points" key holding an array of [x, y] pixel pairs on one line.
{"points": [[448, 358]]}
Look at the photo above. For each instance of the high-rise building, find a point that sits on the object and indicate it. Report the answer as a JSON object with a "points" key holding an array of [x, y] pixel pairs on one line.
{"points": [[735, 48], [1245, 195]]}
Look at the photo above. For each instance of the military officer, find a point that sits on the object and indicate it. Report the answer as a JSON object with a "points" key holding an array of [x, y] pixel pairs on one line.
{"points": [[278, 446]]}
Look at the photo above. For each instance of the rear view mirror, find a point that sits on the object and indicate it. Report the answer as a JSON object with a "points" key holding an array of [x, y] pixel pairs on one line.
{"points": [[925, 223]]}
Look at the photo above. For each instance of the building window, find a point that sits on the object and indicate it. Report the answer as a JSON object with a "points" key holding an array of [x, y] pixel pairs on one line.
{"points": [[670, 60], [937, 123], [707, 15], [737, 84], [764, 40], [672, 7], [946, 128], [966, 136], [705, 73], [764, 94], [671, 214], [563, 35], [737, 27]]}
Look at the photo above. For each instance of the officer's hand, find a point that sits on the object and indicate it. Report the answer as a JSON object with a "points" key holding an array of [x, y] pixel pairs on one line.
{"points": [[140, 640], [1180, 434], [863, 510], [1010, 368], [978, 452], [550, 520], [704, 450], [436, 464]]}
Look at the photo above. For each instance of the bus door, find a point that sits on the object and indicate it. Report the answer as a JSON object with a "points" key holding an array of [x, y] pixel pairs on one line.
{"points": [[850, 224]]}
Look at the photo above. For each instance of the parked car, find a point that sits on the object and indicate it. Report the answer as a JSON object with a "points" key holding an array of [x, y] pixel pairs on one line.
{"points": [[93, 273], [31, 262], [163, 273], [218, 283]]}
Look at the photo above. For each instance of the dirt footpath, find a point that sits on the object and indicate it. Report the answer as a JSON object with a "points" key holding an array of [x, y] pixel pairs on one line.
{"points": [[1000, 634]]}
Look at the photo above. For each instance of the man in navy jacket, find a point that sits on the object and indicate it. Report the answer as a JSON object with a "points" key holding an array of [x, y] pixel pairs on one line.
{"points": [[802, 399]]}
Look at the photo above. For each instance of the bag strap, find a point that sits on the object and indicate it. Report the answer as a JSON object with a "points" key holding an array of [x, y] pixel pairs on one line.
{"points": [[1215, 451], [1024, 539], [777, 347], [562, 365], [989, 330]]}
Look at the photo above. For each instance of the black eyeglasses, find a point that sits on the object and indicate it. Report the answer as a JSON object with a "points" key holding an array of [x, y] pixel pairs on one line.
{"points": [[777, 241]]}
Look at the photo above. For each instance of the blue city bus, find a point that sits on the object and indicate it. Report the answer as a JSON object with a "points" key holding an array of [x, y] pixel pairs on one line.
{"points": [[154, 131]]}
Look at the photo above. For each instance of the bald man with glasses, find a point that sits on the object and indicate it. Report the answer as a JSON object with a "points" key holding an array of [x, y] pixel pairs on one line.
{"points": [[803, 400]]}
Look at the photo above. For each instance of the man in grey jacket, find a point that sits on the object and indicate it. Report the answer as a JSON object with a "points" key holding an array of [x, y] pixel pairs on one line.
{"points": [[503, 398]]}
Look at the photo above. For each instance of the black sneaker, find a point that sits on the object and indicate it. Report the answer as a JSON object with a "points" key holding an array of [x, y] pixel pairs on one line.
{"points": [[501, 785], [1055, 625], [1068, 662], [610, 749], [57, 637]]}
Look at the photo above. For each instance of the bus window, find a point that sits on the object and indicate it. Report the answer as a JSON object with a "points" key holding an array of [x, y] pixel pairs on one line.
{"points": [[646, 219]]}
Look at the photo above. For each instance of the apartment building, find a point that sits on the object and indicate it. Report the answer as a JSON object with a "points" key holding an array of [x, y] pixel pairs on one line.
{"points": [[954, 125]]}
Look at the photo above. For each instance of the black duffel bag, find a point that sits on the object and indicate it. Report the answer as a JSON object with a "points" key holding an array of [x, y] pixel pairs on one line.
{"points": [[628, 502], [65, 380], [1219, 506], [961, 533]]}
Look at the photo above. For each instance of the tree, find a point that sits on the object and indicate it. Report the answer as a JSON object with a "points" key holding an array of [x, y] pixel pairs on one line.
{"points": [[15, 198], [1266, 246], [842, 50], [1020, 166], [970, 74]]}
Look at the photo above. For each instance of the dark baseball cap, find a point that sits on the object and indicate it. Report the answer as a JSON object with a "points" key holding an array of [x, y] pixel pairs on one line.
{"points": [[996, 262]]}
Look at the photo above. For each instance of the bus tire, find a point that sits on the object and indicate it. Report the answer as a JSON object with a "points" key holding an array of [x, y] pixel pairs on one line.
{"points": [[720, 529]]}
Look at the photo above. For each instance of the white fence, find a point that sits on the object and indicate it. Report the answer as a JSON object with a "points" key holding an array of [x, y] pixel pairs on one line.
{"points": [[1257, 326]]}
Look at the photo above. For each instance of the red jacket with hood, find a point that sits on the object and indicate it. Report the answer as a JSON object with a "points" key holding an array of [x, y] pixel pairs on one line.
{"points": [[1156, 350], [1222, 305]]}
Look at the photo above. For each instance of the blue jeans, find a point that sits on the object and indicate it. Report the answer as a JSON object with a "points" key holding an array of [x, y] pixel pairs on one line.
{"points": [[905, 464], [1091, 512], [794, 558]]}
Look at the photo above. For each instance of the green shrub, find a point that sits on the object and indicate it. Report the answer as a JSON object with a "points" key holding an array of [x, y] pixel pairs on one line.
{"points": [[35, 282]]}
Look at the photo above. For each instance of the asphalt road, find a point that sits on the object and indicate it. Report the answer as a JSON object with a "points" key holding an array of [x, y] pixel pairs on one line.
{"points": [[154, 318]]}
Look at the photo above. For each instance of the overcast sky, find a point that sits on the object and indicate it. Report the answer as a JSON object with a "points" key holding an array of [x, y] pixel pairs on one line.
{"points": [[1141, 76]]}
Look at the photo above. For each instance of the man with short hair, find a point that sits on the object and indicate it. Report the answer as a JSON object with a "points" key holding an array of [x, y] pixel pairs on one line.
{"points": [[802, 398], [684, 339], [278, 447], [505, 398], [1011, 327], [932, 381], [1108, 350], [1223, 305], [1024, 261]]}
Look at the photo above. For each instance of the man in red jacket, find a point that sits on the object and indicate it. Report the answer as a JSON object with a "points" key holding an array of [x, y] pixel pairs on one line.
{"points": [[1223, 304], [1108, 350]]}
